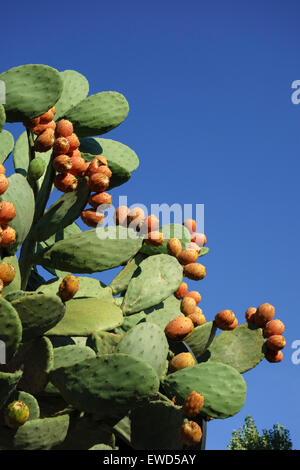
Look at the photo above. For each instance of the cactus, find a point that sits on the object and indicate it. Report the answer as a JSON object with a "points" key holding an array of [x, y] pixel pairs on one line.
{"points": [[94, 364]]}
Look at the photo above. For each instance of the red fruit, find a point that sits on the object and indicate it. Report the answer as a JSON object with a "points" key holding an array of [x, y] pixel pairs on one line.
{"points": [[136, 218], [194, 271], [7, 212], [121, 215], [73, 142], [78, 166], [64, 128], [174, 247], [37, 130], [188, 305], [154, 239], [96, 163], [276, 342], [264, 313], [8, 236], [197, 317], [44, 141], [187, 257], [76, 153], [179, 329], [91, 217], [181, 291], [151, 224], [194, 246], [194, 295], [274, 356], [47, 117], [100, 199], [181, 361], [199, 239], [232, 325], [224, 319], [2, 170], [31, 123], [250, 315], [61, 146], [273, 327], [62, 163], [193, 404], [190, 433], [191, 225], [98, 182], [7, 273], [68, 287], [65, 182], [3, 184]]}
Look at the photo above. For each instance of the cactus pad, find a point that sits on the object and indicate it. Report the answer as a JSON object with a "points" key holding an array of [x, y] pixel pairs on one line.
{"points": [[10, 328], [75, 89], [88, 287], [201, 338], [169, 231], [6, 145]]}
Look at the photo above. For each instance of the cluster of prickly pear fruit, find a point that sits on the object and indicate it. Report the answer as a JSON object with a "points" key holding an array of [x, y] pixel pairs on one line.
{"points": [[133, 363]]}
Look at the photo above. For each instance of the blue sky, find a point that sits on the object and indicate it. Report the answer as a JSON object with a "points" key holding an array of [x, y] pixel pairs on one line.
{"points": [[211, 119]]}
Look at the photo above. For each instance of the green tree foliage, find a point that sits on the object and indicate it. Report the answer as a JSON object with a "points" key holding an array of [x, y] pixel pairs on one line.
{"points": [[247, 437]]}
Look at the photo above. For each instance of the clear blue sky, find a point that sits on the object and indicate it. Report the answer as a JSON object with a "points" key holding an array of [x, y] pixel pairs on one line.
{"points": [[211, 118]]}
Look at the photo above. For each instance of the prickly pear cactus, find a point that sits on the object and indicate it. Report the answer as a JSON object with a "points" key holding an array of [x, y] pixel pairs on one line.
{"points": [[99, 366]]}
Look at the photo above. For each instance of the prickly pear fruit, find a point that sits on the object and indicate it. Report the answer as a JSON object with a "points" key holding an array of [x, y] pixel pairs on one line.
{"points": [[224, 319], [249, 315], [64, 128], [8, 236], [199, 239], [194, 295], [187, 257], [276, 342], [273, 327], [44, 141], [37, 130], [92, 217], [121, 215], [7, 273], [232, 325], [197, 317], [2, 169], [136, 217], [7, 212], [194, 271], [62, 163], [68, 287], [1, 286], [264, 313], [181, 361], [191, 225], [151, 224], [179, 329], [96, 163], [16, 414], [193, 404], [77, 153], [174, 247], [36, 168], [190, 433], [3, 184], [65, 182], [78, 166], [73, 142], [274, 356], [47, 117], [194, 246], [154, 239], [181, 291], [98, 182], [187, 305], [31, 123], [99, 199], [61, 146]]}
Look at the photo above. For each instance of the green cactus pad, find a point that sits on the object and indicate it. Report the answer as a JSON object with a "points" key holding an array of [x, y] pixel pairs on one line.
{"points": [[16, 283], [223, 387], [154, 280], [38, 313], [130, 322], [201, 338], [66, 356], [121, 281], [203, 251], [115, 381], [169, 231], [8, 383], [30, 91], [87, 253], [155, 426], [10, 329], [21, 195], [16, 294], [162, 313], [29, 400], [98, 114], [2, 116], [103, 342], [114, 151], [6, 145], [241, 348], [62, 213], [88, 287], [36, 434], [75, 89], [101, 447], [147, 342], [87, 315]]}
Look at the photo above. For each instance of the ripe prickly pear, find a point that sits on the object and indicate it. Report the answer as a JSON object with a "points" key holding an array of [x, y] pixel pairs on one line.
{"points": [[16, 414], [187, 256], [191, 225], [73, 142], [7, 273], [154, 239], [47, 117], [181, 361], [174, 247], [250, 314], [92, 217], [276, 342], [98, 182], [44, 141], [190, 433], [68, 287], [193, 404], [194, 271], [96, 163], [7, 212], [179, 329], [62, 163], [199, 239], [64, 128], [100, 199], [121, 215], [8, 236], [181, 291], [224, 319], [194, 295], [274, 356], [78, 166], [61, 146], [65, 182], [197, 317], [3, 184], [187, 305], [273, 327], [264, 314], [37, 130]]}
